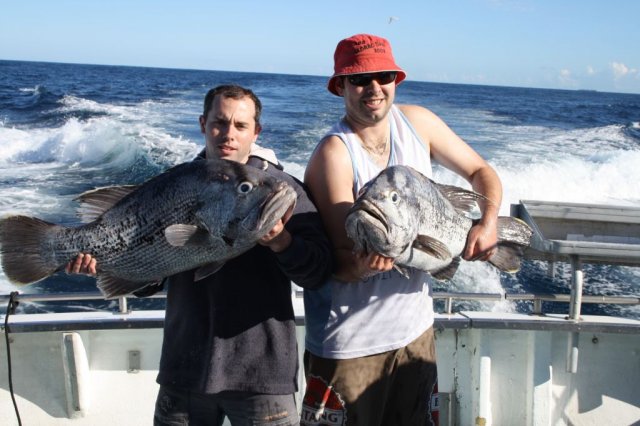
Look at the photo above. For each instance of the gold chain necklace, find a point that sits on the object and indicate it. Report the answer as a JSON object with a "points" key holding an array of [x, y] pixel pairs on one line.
{"points": [[377, 151]]}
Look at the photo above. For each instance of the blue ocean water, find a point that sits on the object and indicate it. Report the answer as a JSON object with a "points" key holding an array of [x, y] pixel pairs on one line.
{"points": [[67, 128]]}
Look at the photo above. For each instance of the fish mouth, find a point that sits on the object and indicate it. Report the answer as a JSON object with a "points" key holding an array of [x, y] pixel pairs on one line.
{"points": [[367, 226], [276, 205], [373, 211]]}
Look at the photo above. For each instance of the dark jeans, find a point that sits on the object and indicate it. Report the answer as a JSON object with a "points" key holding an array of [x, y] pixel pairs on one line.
{"points": [[177, 407]]}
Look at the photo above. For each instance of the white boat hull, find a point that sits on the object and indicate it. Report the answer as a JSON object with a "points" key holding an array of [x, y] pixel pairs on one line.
{"points": [[99, 368]]}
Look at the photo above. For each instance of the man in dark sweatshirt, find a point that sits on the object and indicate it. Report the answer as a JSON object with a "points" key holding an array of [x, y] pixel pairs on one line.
{"points": [[229, 344]]}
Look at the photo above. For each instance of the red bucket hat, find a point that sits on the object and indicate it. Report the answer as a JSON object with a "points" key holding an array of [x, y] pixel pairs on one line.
{"points": [[363, 53]]}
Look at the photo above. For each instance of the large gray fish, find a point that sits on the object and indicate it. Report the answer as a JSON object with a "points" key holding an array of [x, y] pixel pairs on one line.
{"points": [[424, 225], [196, 214]]}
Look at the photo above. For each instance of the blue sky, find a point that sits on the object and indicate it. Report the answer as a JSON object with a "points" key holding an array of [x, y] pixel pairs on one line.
{"points": [[564, 44]]}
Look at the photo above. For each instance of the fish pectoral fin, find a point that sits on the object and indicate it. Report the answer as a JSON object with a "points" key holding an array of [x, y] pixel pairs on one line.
{"points": [[448, 271], [96, 202], [507, 257], [206, 270], [180, 235], [112, 287], [432, 246]]}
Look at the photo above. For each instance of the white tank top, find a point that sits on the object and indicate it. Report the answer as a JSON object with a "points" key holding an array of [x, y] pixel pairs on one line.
{"points": [[387, 311]]}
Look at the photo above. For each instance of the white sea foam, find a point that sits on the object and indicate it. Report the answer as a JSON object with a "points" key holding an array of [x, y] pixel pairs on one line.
{"points": [[479, 277], [294, 169], [15, 141], [102, 140], [592, 165], [70, 103], [604, 178]]}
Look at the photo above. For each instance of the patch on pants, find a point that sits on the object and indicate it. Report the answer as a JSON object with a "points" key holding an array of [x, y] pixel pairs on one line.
{"points": [[322, 405]]}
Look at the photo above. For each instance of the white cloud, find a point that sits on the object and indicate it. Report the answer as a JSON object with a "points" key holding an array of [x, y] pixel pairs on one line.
{"points": [[590, 70], [566, 79], [619, 69]]}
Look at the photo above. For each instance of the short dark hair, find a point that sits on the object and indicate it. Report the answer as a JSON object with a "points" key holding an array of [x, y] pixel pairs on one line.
{"points": [[232, 91]]}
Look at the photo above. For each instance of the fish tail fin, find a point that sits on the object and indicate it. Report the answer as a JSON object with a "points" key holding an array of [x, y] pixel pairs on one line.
{"points": [[514, 236], [507, 257], [21, 248]]}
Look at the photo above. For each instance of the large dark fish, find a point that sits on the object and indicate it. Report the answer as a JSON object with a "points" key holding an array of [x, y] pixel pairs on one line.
{"points": [[424, 225], [196, 214]]}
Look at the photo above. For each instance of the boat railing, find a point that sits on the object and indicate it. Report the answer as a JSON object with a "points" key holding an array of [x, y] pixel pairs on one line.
{"points": [[579, 233], [535, 298], [448, 297]]}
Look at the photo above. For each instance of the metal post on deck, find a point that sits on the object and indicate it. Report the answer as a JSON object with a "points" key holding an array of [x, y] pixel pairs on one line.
{"points": [[122, 305], [537, 307], [448, 305], [576, 288], [575, 304], [551, 269], [484, 391]]}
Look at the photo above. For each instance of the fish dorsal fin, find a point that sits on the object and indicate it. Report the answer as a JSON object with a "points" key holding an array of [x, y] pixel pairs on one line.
{"points": [[95, 202], [432, 246], [448, 271], [180, 235], [206, 270], [462, 199], [112, 287]]}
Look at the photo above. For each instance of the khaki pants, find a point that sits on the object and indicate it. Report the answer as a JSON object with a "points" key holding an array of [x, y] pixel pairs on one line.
{"points": [[391, 388]]}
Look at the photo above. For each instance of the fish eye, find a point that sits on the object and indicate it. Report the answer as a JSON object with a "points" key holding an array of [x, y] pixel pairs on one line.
{"points": [[393, 195], [245, 187]]}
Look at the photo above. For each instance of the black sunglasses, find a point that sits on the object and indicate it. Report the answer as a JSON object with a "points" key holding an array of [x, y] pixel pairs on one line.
{"points": [[382, 78]]}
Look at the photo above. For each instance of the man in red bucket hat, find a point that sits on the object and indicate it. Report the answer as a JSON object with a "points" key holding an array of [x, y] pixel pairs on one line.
{"points": [[370, 356], [362, 54]]}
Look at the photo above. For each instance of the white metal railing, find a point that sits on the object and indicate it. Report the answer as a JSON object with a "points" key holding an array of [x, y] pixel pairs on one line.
{"points": [[449, 299]]}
